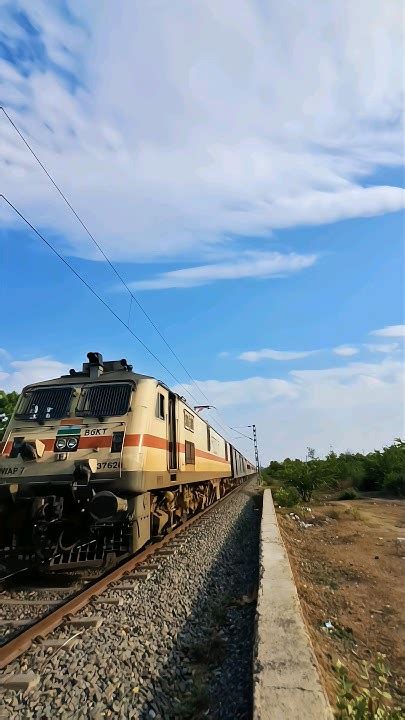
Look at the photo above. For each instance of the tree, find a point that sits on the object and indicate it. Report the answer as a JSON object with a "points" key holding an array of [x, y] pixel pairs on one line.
{"points": [[8, 402], [305, 477], [311, 453], [381, 470]]}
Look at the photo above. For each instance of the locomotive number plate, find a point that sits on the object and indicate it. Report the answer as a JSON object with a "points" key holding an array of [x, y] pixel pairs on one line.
{"points": [[109, 465]]}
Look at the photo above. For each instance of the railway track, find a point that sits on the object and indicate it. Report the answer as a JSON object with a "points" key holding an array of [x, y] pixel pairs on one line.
{"points": [[61, 611], [25, 597]]}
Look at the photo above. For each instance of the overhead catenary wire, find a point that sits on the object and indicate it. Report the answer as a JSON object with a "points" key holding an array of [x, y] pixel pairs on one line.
{"points": [[133, 298], [103, 302], [103, 253], [241, 433], [94, 292]]}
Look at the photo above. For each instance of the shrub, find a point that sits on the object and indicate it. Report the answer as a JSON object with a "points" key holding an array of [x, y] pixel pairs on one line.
{"points": [[373, 702], [349, 494], [354, 513], [286, 496], [394, 482]]}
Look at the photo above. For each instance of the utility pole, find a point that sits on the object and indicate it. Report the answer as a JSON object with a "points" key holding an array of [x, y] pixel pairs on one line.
{"points": [[256, 449], [254, 438]]}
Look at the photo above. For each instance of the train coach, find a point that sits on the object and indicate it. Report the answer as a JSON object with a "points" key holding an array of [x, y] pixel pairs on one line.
{"points": [[95, 464]]}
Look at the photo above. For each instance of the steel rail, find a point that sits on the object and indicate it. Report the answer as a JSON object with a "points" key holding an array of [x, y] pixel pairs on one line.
{"points": [[47, 623]]}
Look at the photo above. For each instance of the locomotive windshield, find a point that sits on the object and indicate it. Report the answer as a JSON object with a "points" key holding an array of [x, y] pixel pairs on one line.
{"points": [[104, 400], [51, 403]]}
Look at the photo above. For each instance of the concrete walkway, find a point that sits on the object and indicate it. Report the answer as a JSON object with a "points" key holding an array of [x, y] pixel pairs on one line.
{"points": [[286, 679]]}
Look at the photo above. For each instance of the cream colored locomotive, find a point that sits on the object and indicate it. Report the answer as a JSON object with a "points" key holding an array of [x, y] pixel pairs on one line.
{"points": [[96, 463]]}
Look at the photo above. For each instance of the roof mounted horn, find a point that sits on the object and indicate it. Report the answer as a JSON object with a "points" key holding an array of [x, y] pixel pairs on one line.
{"points": [[96, 365]]}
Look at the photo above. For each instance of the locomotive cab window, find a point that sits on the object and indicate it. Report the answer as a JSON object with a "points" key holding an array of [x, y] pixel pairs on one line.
{"points": [[104, 400], [46, 403], [190, 453], [160, 406]]}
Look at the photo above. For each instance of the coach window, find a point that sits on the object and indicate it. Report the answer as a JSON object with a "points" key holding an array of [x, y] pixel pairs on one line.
{"points": [[160, 406], [190, 453], [208, 438]]}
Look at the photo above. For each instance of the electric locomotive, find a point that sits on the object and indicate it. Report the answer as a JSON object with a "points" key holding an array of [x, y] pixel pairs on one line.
{"points": [[96, 463]]}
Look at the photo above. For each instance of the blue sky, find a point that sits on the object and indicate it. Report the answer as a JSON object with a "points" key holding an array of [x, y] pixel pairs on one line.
{"points": [[249, 187]]}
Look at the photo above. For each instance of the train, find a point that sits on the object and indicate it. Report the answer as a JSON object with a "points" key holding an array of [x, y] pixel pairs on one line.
{"points": [[96, 464]]}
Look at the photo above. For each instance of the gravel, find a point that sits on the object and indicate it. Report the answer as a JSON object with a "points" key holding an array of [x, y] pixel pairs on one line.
{"points": [[179, 648]]}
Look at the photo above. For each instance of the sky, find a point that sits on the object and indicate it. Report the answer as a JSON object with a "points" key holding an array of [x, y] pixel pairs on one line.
{"points": [[241, 164]]}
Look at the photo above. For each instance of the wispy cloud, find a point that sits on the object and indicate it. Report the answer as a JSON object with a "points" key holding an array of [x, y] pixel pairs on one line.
{"points": [[240, 135], [268, 354], [380, 348], [15, 374], [252, 265], [358, 406], [345, 350], [391, 331]]}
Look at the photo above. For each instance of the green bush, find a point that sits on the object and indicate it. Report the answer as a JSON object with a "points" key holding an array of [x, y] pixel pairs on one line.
{"points": [[373, 702], [348, 494], [381, 470], [286, 496], [394, 482]]}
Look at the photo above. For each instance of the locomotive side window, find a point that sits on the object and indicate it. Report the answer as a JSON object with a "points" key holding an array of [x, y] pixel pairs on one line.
{"points": [[50, 403], [104, 400], [226, 450], [160, 406], [190, 453], [188, 421]]}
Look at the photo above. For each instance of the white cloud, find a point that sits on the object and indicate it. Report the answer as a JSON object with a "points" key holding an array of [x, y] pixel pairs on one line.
{"points": [[251, 265], [15, 374], [268, 354], [345, 350], [387, 348], [359, 406], [196, 122], [356, 407], [392, 331]]}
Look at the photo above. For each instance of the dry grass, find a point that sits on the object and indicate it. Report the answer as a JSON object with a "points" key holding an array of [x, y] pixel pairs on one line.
{"points": [[195, 705], [210, 651], [355, 514]]}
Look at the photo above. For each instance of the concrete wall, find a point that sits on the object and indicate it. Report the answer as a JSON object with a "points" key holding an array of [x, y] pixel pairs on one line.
{"points": [[286, 681]]}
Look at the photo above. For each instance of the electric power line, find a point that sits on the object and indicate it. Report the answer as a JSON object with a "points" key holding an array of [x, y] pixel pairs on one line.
{"points": [[107, 259], [94, 292], [133, 298], [241, 433]]}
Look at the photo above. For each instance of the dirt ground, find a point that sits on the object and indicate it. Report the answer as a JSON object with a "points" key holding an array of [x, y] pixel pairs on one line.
{"points": [[350, 570]]}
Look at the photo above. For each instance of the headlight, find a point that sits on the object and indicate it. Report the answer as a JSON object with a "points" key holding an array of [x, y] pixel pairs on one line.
{"points": [[72, 443], [60, 444]]}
